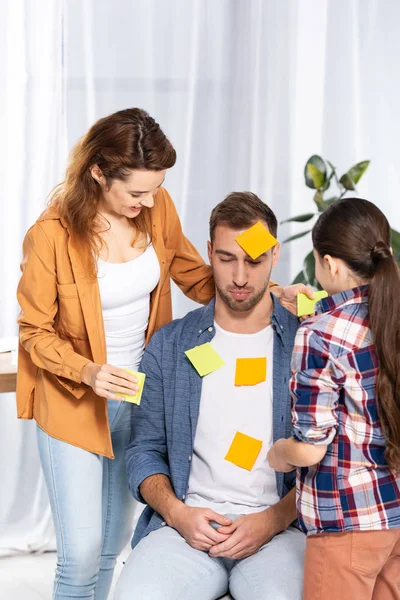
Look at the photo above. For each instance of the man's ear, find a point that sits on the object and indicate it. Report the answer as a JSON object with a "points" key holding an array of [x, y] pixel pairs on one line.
{"points": [[209, 251], [276, 250]]}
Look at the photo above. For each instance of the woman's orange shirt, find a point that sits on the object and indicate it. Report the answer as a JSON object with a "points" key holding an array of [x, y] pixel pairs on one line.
{"points": [[61, 322]]}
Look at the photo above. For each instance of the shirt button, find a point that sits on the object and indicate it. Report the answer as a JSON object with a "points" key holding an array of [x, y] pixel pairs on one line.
{"points": [[282, 327], [163, 523], [183, 497], [210, 329], [199, 330], [190, 458]]}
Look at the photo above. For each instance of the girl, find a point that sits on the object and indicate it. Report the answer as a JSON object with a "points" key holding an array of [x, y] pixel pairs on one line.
{"points": [[346, 411]]}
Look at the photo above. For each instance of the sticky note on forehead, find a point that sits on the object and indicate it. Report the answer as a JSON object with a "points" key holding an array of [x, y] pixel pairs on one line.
{"points": [[250, 371], [305, 306], [138, 396], [256, 240], [244, 451], [204, 359]]}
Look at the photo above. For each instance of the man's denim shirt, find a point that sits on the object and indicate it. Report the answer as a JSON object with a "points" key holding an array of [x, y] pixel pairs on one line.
{"points": [[164, 425]]}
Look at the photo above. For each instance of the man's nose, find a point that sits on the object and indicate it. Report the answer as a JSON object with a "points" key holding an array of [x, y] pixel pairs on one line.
{"points": [[240, 274]]}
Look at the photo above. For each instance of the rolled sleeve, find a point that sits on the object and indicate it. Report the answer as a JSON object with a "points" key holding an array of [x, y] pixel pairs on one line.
{"points": [[38, 299], [315, 390], [146, 453]]}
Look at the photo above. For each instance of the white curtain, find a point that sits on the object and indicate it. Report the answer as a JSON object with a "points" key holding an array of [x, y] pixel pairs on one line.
{"points": [[246, 90]]}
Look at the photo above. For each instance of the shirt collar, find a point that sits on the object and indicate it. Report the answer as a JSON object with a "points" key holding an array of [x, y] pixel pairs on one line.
{"points": [[279, 318], [357, 295]]}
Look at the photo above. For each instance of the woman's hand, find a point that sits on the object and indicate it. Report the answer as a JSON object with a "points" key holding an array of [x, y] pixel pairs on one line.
{"points": [[105, 380], [288, 298]]}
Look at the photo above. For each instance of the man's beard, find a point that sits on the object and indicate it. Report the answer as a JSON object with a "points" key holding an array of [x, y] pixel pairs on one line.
{"points": [[241, 305]]}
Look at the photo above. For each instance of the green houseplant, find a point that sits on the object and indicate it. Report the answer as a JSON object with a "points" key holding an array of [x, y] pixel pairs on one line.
{"points": [[319, 174]]}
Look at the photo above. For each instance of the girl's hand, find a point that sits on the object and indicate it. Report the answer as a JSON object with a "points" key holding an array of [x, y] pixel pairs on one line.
{"points": [[276, 457], [105, 380], [288, 298]]}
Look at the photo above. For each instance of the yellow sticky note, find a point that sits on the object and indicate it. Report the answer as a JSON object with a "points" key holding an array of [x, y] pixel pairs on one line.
{"points": [[250, 371], [204, 359], [256, 240], [138, 396], [305, 306], [244, 451]]}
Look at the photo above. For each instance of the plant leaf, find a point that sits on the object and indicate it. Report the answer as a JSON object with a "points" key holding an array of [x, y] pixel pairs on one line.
{"points": [[396, 245], [319, 201], [299, 278], [347, 182], [326, 203], [356, 172], [320, 172], [317, 176], [296, 236], [309, 269], [299, 219]]}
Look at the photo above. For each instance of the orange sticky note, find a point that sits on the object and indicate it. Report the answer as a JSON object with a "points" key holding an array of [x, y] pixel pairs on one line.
{"points": [[256, 240], [244, 451], [250, 371]]}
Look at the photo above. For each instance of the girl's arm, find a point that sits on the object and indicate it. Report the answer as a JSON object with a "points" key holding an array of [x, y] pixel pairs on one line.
{"points": [[315, 393]]}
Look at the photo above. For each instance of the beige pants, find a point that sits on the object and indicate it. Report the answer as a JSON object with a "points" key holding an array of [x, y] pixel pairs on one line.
{"points": [[359, 565]]}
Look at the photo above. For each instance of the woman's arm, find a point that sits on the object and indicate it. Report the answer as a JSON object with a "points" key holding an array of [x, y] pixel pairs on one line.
{"points": [[37, 296]]}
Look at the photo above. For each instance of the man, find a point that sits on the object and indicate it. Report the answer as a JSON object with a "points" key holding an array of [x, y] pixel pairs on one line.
{"points": [[210, 525]]}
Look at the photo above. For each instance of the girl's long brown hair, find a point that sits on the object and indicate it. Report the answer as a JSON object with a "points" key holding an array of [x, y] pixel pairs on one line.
{"points": [[126, 140], [357, 232]]}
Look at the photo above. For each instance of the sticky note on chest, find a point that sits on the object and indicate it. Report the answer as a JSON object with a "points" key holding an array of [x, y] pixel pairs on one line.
{"points": [[305, 306], [244, 451], [138, 396], [256, 240], [250, 371], [204, 359]]}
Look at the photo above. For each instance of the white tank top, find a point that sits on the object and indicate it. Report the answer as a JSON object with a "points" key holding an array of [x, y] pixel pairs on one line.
{"points": [[125, 298]]}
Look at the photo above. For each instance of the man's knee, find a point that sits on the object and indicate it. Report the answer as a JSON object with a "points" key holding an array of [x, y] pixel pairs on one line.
{"points": [[163, 567], [273, 573]]}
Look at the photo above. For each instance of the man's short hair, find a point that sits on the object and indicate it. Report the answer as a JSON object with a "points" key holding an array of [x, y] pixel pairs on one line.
{"points": [[241, 210]]}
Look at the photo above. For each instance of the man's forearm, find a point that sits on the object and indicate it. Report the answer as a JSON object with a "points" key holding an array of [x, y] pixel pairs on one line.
{"points": [[284, 511], [158, 493]]}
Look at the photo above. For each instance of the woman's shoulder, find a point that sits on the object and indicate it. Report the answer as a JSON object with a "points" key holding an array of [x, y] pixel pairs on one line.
{"points": [[49, 226], [164, 203], [167, 218]]}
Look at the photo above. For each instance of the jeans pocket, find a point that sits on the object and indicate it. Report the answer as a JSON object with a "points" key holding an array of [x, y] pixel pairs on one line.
{"points": [[119, 415], [368, 554]]}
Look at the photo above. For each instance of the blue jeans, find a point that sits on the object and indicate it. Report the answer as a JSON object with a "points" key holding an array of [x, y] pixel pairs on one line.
{"points": [[164, 567], [92, 508]]}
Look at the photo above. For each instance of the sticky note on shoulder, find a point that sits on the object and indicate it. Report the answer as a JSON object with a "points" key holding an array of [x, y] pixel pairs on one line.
{"points": [[138, 396], [244, 451], [256, 240], [205, 359], [306, 306], [250, 371]]}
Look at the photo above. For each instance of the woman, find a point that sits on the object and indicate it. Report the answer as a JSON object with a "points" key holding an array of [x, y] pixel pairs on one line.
{"points": [[95, 286], [346, 411]]}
